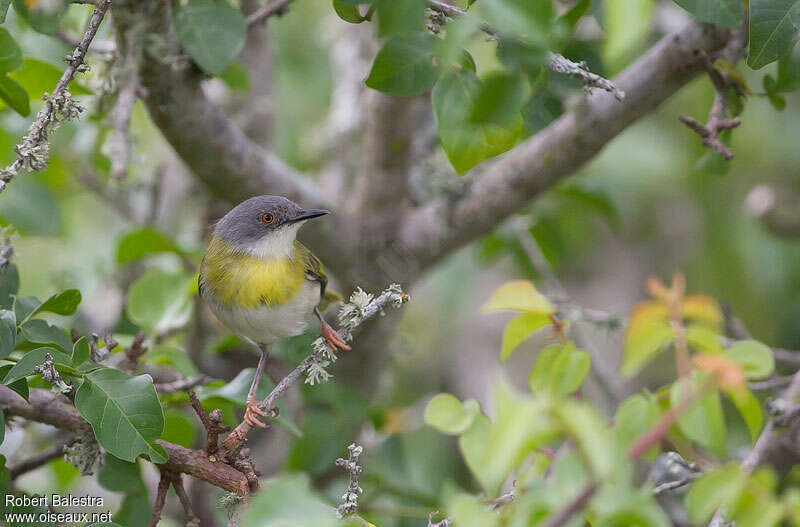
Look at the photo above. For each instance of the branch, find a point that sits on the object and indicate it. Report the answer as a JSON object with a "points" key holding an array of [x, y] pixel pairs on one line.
{"points": [[45, 407], [555, 62], [362, 307], [580, 501], [718, 120], [161, 499], [434, 230], [211, 422], [349, 505], [33, 152], [42, 458], [278, 7]]}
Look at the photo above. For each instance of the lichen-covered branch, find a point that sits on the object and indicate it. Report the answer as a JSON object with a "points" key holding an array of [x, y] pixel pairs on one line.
{"points": [[349, 503], [34, 151]]}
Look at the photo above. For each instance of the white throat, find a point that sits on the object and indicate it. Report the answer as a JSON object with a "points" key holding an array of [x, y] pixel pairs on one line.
{"points": [[279, 242]]}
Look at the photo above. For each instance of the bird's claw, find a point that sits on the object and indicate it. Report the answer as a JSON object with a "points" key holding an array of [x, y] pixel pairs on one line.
{"points": [[332, 337], [252, 412]]}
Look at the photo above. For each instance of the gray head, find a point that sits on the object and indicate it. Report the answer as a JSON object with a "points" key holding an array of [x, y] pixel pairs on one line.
{"points": [[264, 223]]}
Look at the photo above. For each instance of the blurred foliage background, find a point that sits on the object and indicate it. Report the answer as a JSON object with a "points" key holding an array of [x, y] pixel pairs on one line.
{"points": [[653, 202]]}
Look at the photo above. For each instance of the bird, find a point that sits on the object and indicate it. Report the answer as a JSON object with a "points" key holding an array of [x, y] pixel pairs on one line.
{"points": [[262, 283]]}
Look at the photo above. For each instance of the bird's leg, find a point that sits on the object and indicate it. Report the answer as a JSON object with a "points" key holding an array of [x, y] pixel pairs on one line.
{"points": [[252, 411], [334, 340]]}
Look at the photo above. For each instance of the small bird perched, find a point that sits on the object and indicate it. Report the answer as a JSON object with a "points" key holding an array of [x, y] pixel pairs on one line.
{"points": [[262, 283]]}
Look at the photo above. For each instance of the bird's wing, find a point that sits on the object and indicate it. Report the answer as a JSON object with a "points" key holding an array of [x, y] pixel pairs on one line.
{"points": [[316, 273]]}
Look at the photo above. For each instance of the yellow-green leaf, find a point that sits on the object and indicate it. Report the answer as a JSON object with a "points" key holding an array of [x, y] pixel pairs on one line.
{"points": [[519, 295], [519, 329]]}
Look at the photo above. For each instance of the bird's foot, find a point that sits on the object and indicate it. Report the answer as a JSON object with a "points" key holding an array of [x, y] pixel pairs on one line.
{"points": [[332, 337], [252, 412]]}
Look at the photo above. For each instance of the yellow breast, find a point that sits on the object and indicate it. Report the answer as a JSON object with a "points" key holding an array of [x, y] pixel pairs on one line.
{"points": [[239, 279]]}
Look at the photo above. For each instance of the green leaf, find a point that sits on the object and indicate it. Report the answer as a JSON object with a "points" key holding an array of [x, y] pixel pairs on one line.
{"points": [[160, 301], [44, 17], [627, 26], [143, 242], [236, 78], [14, 95], [10, 53], [117, 475], [288, 500], [519, 329], [773, 31], [80, 352], [236, 392], [713, 490], [646, 335], [450, 49], [519, 295], [541, 110], [9, 286], [404, 65], [20, 386], [39, 77], [178, 428], [635, 416], [399, 16], [789, 72], [587, 428], [347, 12], [728, 13], [754, 357], [467, 510], [124, 413], [528, 20], [4, 9], [213, 32], [25, 366], [24, 306], [447, 414], [701, 338], [560, 370], [750, 409], [498, 100], [41, 332], [468, 144], [621, 506], [64, 303], [703, 422], [8, 332]]}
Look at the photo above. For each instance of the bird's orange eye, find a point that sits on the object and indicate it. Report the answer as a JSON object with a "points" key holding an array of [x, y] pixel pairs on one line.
{"points": [[267, 218]]}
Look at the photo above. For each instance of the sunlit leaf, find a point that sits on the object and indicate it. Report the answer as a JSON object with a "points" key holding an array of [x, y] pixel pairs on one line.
{"points": [[647, 333], [519, 295], [703, 421], [701, 338], [702, 309], [39, 77], [713, 490], [449, 415], [750, 410], [469, 511], [560, 370], [635, 416], [14, 96], [519, 329], [10, 53], [754, 357]]}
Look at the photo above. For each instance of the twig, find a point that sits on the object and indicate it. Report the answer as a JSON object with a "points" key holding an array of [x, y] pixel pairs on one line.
{"points": [[717, 115], [447, 522], [361, 307], [181, 385], [36, 461], [770, 384], [34, 151], [574, 506], [278, 7], [211, 422], [349, 505], [674, 485], [555, 62], [101, 47], [177, 484], [161, 499], [753, 458], [132, 353]]}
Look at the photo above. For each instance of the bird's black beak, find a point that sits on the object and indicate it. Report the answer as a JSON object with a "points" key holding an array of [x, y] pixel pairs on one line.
{"points": [[307, 214]]}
